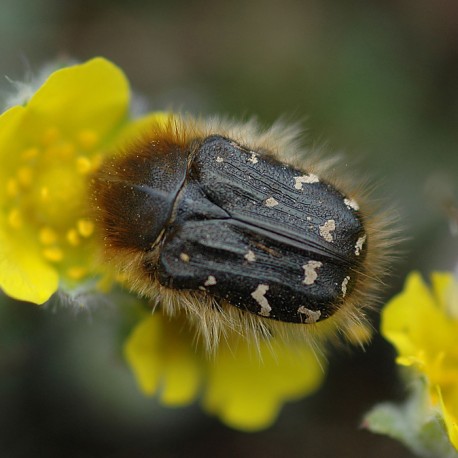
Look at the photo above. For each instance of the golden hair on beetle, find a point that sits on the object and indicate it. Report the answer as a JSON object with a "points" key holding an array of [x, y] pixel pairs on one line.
{"points": [[124, 216]]}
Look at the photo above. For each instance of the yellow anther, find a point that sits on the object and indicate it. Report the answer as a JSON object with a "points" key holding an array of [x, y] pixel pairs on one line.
{"points": [[88, 138], [12, 188], [66, 150], [76, 273], [96, 161], [44, 193], [15, 218], [53, 254], [47, 236], [50, 135], [73, 237], [85, 227], [83, 165], [30, 153], [25, 176]]}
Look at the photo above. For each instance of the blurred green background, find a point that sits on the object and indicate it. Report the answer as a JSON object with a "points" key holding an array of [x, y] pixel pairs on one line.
{"points": [[375, 81]]}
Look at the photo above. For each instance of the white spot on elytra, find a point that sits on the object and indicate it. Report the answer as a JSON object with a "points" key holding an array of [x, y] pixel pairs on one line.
{"points": [[344, 286], [311, 316], [326, 229], [184, 257], [259, 296], [271, 202], [310, 272], [350, 203], [211, 280], [250, 256], [359, 244], [254, 158], [305, 179], [219, 159]]}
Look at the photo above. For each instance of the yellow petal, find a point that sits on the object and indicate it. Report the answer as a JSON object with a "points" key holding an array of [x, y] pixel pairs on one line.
{"points": [[24, 275], [181, 380], [411, 319], [92, 95], [441, 282], [10, 121], [450, 419], [246, 391], [142, 352], [182, 373], [139, 127], [162, 358]]}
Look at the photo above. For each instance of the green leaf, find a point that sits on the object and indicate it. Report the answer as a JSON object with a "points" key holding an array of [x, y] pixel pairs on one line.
{"points": [[415, 423]]}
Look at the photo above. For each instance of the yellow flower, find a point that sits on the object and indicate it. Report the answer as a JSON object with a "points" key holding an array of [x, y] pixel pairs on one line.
{"points": [[244, 386], [47, 150], [422, 324]]}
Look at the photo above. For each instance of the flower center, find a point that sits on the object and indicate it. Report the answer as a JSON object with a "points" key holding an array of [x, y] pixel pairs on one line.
{"points": [[47, 196]]}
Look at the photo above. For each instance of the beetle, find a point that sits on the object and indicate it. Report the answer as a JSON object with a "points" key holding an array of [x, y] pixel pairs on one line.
{"points": [[199, 218]]}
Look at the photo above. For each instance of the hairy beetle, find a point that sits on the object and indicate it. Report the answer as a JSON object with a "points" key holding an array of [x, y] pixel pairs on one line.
{"points": [[193, 214]]}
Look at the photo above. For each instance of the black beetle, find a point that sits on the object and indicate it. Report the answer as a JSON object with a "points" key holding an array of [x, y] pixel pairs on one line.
{"points": [[212, 215]]}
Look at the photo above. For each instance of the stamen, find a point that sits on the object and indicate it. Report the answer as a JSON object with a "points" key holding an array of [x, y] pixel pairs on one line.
{"points": [[66, 150], [76, 273], [50, 135], [44, 193], [15, 219], [25, 176], [47, 235], [73, 238], [85, 227], [87, 138], [30, 153], [83, 165], [97, 161], [12, 188], [53, 254]]}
